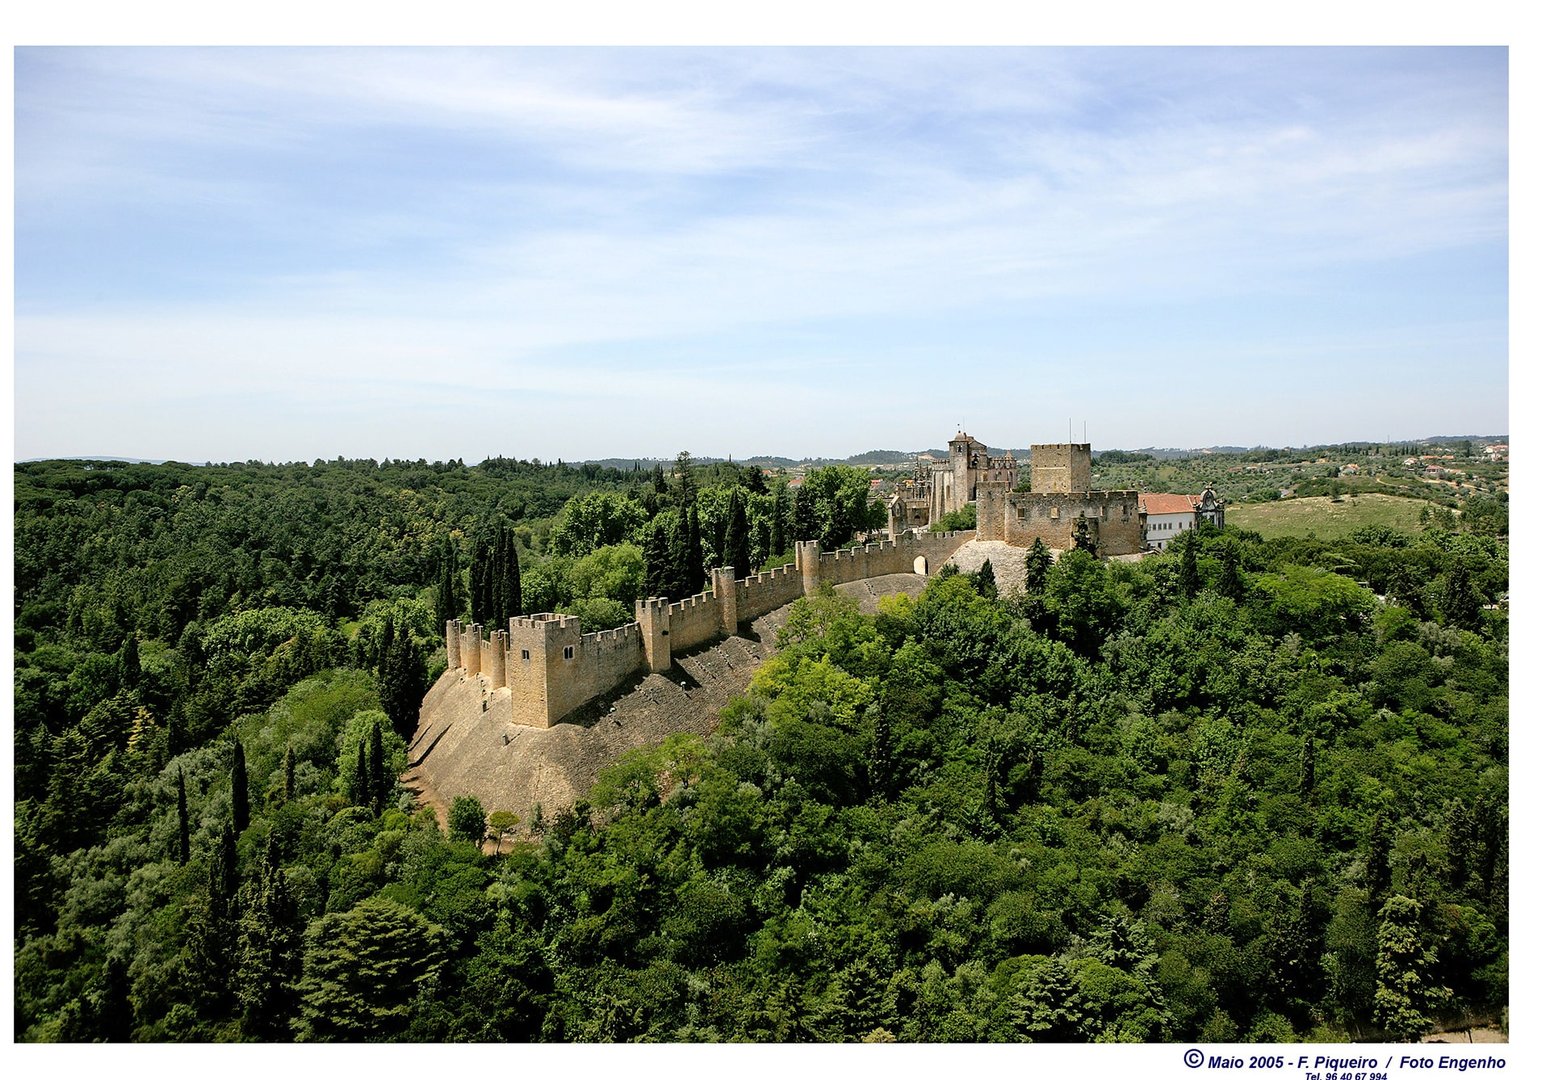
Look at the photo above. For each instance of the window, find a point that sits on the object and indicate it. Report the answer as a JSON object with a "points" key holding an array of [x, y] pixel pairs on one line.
{"points": [[570, 652], [526, 655]]}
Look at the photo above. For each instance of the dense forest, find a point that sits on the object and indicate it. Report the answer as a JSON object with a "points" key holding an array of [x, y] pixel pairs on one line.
{"points": [[1243, 790]]}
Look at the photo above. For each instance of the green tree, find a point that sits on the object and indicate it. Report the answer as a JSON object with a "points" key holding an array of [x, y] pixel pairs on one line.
{"points": [[269, 945], [401, 679], [449, 603], [735, 544], [239, 787], [1189, 564], [1037, 561], [985, 580], [182, 820], [593, 520], [377, 779], [1407, 994], [362, 968], [466, 819]]}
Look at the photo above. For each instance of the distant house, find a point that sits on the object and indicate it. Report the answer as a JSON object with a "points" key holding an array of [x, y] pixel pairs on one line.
{"points": [[1350, 470], [1170, 516]]}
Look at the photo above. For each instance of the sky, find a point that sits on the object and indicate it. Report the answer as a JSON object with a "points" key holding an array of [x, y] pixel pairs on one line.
{"points": [[290, 254]]}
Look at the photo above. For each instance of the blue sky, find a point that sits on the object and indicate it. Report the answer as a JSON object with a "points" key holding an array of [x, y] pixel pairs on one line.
{"points": [[287, 254]]}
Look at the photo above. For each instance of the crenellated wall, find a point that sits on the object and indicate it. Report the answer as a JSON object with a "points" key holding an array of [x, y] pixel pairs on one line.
{"points": [[1113, 517], [764, 592], [553, 668]]}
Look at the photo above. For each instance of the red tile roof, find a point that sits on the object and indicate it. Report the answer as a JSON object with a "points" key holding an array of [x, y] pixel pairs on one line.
{"points": [[1168, 504]]}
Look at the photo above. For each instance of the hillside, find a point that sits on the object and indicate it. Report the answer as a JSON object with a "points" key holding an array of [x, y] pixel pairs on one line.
{"points": [[1327, 519]]}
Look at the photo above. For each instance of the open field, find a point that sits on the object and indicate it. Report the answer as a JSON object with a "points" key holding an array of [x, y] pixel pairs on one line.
{"points": [[1325, 519]]}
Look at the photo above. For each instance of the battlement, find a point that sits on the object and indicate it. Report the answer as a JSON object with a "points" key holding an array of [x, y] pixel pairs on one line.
{"points": [[1112, 519]]}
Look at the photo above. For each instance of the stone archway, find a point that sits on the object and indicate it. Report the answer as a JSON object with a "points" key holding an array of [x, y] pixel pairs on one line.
{"points": [[921, 567]]}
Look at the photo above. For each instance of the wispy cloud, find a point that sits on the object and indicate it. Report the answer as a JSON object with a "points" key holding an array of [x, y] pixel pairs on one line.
{"points": [[337, 220]]}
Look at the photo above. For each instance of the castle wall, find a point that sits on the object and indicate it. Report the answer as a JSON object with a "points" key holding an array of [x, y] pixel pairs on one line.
{"points": [[553, 668], [1020, 518], [763, 593], [693, 621], [876, 559]]}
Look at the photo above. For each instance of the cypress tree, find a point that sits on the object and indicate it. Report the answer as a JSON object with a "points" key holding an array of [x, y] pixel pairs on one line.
{"points": [[182, 820], [1038, 564], [129, 663], [478, 579], [779, 520], [446, 585], [1377, 871], [360, 783], [374, 769], [223, 871], [1309, 766], [269, 951], [1189, 565], [985, 581], [1230, 583], [694, 569], [239, 787], [511, 582], [659, 558], [735, 545], [385, 649], [290, 773], [678, 548]]}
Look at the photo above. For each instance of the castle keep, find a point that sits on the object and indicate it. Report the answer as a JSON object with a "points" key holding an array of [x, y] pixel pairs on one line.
{"points": [[552, 668], [1060, 496]]}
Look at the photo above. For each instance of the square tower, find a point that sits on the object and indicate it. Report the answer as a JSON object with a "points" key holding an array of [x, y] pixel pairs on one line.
{"points": [[1062, 467]]}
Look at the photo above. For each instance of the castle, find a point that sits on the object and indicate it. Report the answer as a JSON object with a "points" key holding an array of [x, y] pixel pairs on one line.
{"points": [[1060, 495], [552, 668]]}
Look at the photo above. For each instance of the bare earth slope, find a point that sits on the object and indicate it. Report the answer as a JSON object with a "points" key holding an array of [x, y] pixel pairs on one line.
{"points": [[467, 745]]}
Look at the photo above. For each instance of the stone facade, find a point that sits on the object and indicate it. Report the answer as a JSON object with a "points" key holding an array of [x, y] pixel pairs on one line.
{"points": [[552, 668], [1114, 520]]}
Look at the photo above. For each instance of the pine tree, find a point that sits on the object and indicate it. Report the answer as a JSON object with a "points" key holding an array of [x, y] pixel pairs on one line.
{"points": [[290, 773], [182, 820], [239, 787]]}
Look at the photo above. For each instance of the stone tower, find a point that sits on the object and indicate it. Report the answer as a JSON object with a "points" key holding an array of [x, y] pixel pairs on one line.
{"points": [[1061, 467]]}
